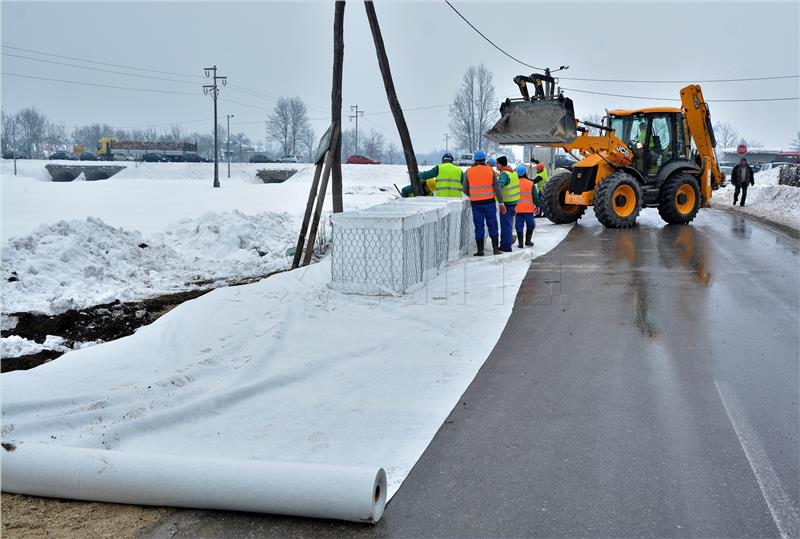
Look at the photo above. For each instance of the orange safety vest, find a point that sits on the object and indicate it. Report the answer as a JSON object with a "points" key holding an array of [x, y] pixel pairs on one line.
{"points": [[525, 204], [481, 182]]}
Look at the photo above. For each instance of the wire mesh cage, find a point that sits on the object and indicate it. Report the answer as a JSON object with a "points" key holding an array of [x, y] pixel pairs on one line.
{"points": [[395, 248]]}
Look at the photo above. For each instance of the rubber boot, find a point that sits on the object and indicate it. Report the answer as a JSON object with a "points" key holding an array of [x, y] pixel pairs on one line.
{"points": [[519, 240], [479, 243], [496, 246], [528, 238]]}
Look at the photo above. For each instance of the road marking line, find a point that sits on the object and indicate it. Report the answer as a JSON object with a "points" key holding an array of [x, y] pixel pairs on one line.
{"points": [[784, 513]]}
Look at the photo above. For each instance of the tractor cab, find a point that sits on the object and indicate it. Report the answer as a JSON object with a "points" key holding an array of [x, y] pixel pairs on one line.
{"points": [[656, 136]]}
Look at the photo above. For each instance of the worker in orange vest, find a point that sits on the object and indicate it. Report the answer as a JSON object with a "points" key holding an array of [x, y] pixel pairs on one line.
{"points": [[480, 185], [526, 207]]}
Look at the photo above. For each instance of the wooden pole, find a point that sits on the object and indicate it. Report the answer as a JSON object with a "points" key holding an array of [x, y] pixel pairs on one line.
{"points": [[336, 105], [394, 104], [312, 193], [312, 236]]}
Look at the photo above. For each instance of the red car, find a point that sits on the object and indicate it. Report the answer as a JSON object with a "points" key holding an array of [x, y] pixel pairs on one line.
{"points": [[361, 160]]}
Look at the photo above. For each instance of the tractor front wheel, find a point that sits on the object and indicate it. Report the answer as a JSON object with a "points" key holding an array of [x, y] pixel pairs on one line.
{"points": [[679, 199], [618, 200], [553, 200]]}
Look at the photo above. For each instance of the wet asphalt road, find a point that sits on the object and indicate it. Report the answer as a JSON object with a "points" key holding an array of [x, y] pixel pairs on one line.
{"points": [[646, 385]]}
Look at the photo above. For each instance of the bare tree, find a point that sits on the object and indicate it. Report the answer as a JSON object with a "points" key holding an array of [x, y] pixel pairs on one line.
{"points": [[176, 132], [90, 135], [595, 118], [725, 135], [391, 152], [348, 143], [31, 129], [474, 109], [7, 131], [796, 143], [288, 124], [307, 143], [373, 143]]}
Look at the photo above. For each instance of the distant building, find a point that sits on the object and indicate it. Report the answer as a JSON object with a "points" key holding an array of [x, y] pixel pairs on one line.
{"points": [[757, 155]]}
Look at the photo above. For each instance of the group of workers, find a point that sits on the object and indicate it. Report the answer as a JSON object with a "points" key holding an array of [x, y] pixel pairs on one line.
{"points": [[492, 185]]}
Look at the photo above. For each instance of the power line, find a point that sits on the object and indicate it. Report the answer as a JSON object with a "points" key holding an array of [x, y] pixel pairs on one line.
{"points": [[96, 68], [489, 40], [102, 63], [242, 89], [97, 85], [744, 79], [677, 99], [706, 81]]}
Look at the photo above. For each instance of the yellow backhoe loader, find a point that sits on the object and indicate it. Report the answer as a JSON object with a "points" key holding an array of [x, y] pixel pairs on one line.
{"points": [[655, 156]]}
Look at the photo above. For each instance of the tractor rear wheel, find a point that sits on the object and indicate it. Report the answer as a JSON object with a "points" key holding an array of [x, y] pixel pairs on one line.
{"points": [[553, 201], [679, 199], [618, 200]]}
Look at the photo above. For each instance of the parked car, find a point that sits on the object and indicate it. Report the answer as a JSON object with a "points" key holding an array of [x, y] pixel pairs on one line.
{"points": [[88, 156], [289, 159], [261, 158], [153, 157], [464, 160], [361, 160], [10, 155], [768, 166], [727, 168], [63, 156], [122, 157], [192, 158], [564, 161]]}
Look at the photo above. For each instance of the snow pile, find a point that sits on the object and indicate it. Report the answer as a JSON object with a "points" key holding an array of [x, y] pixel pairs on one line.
{"points": [[766, 199], [76, 264], [15, 346]]}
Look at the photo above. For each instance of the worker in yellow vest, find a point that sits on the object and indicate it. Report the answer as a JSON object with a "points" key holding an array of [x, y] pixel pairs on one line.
{"points": [[526, 208], [480, 185], [539, 179], [428, 189], [509, 183], [449, 178]]}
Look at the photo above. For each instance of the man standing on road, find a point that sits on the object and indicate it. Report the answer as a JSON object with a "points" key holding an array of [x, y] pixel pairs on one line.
{"points": [[741, 177], [480, 185]]}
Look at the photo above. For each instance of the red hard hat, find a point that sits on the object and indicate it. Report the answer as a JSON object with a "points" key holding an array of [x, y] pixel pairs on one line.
{"points": [[539, 167]]}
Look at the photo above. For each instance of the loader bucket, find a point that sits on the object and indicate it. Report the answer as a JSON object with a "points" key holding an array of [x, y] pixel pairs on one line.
{"points": [[538, 121]]}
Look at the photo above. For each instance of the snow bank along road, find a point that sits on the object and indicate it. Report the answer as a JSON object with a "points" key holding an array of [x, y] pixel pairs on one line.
{"points": [[646, 385]]}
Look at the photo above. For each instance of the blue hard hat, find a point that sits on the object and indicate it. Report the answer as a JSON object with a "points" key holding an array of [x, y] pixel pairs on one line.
{"points": [[522, 170], [447, 157], [492, 161], [479, 155]]}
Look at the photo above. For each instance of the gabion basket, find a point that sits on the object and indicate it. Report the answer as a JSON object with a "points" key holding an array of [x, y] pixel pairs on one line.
{"points": [[396, 247]]}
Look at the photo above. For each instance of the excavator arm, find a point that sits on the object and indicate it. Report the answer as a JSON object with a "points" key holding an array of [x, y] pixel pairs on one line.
{"points": [[698, 120]]}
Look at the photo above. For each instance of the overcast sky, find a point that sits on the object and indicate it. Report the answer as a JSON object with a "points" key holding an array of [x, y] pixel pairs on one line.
{"points": [[285, 49]]}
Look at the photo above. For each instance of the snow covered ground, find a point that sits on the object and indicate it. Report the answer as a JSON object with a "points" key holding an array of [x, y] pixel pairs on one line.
{"points": [[154, 228], [766, 199], [283, 370]]}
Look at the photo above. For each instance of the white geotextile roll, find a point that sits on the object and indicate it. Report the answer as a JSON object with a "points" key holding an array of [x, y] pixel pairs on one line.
{"points": [[350, 493]]}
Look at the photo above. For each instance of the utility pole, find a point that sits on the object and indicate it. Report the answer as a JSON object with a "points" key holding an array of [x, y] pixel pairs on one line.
{"points": [[213, 89], [336, 106], [228, 145], [446, 149], [14, 138], [355, 115], [391, 95]]}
